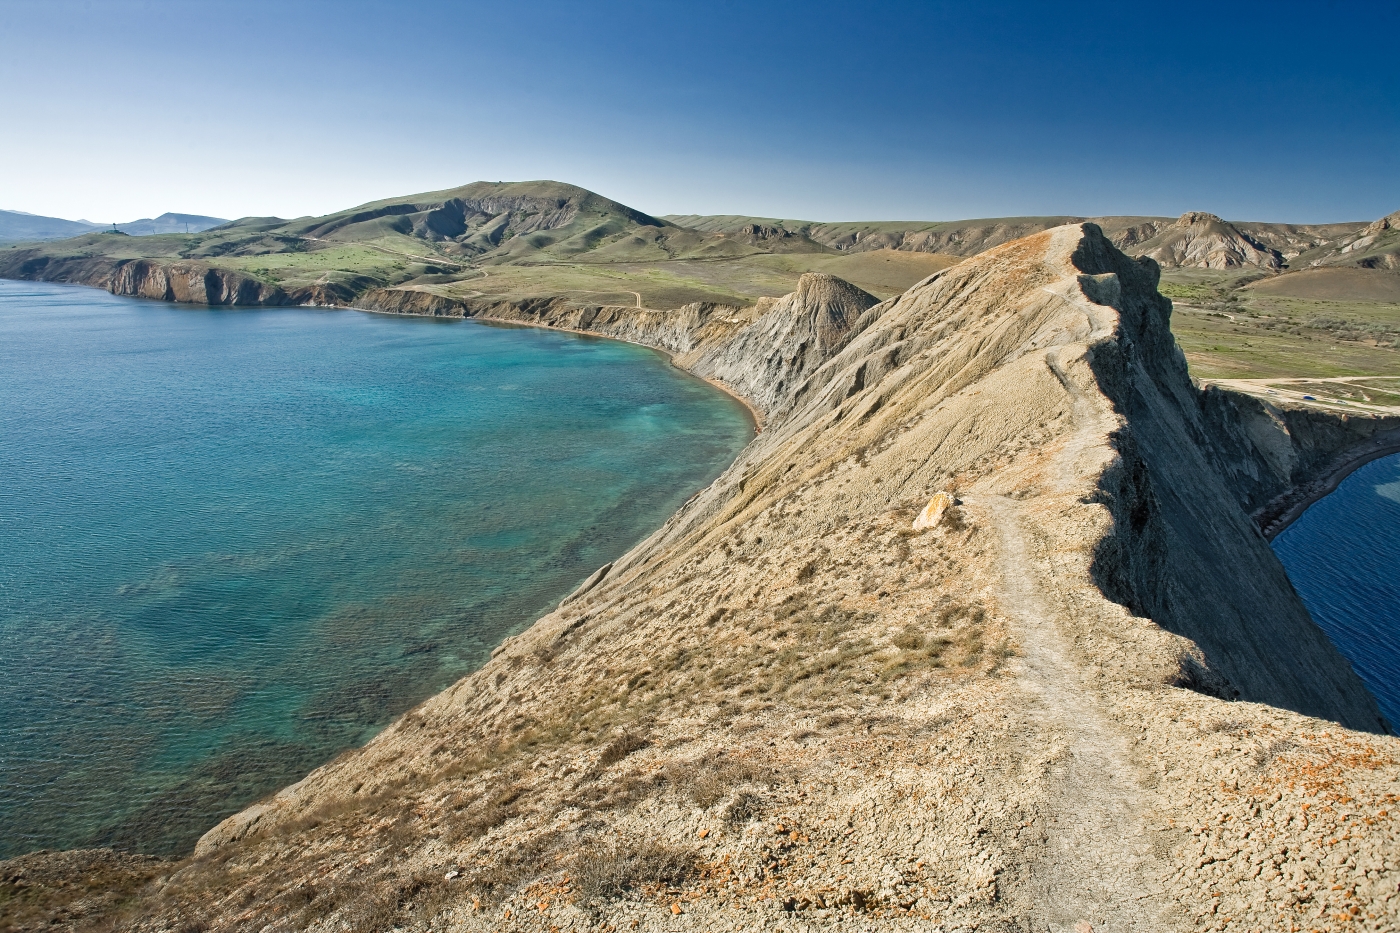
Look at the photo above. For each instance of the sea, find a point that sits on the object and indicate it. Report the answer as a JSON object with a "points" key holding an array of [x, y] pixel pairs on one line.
{"points": [[234, 542], [1343, 556]]}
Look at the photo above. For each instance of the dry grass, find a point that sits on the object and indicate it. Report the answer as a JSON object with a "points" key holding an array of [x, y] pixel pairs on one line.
{"points": [[707, 783], [619, 748], [480, 817], [612, 871]]}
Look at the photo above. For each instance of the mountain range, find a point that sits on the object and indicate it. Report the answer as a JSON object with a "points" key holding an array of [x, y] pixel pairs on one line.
{"points": [[19, 226], [546, 239]]}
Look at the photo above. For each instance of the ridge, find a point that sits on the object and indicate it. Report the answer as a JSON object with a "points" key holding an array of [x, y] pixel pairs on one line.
{"points": [[1080, 697]]}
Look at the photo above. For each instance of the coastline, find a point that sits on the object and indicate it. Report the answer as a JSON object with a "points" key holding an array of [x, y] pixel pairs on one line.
{"points": [[968, 726], [1271, 519], [754, 411], [1298, 499], [755, 415]]}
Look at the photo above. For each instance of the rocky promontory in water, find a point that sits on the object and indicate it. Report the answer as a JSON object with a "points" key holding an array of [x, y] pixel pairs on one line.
{"points": [[1084, 697]]}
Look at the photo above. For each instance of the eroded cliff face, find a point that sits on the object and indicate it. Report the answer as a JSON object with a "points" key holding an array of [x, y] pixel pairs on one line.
{"points": [[788, 706], [1204, 241], [1085, 696], [789, 339], [191, 282], [763, 353], [1278, 457]]}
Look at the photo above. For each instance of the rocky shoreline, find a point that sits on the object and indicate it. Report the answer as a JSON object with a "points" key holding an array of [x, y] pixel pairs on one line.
{"points": [[1289, 507]]}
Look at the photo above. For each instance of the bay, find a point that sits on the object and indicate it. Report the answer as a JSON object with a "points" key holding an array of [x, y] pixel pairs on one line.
{"points": [[234, 542], [1343, 557]]}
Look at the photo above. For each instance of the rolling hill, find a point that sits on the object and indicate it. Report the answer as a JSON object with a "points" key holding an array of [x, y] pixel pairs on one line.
{"points": [[490, 241], [1253, 299]]}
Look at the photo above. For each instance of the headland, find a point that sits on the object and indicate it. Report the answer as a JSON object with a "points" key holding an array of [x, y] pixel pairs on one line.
{"points": [[1087, 696]]}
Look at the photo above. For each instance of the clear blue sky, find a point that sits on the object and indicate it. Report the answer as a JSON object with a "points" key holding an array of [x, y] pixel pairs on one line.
{"points": [[123, 108]]}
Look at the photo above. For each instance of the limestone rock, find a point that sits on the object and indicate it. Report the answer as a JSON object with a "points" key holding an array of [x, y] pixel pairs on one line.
{"points": [[933, 512]]}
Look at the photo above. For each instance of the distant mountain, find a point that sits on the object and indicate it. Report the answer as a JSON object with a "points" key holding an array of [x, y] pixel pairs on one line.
{"points": [[1204, 241], [498, 242], [1375, 246], [17, 225], [1194, 240], [170, 223]]}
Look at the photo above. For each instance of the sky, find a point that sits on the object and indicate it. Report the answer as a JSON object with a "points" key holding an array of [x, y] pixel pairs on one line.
{"points": [[118, 109]]}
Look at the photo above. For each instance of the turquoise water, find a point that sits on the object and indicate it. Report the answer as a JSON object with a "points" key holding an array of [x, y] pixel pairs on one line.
{"points": [[1343, 556], [234, 542]]}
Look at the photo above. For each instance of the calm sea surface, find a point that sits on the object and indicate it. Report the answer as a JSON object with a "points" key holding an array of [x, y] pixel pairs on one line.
{"points": [[1343, 556], [234, 542]]}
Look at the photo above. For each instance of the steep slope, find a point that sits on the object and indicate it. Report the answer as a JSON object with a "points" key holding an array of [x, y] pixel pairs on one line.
{"points": [[788, 705], [788, 340]]}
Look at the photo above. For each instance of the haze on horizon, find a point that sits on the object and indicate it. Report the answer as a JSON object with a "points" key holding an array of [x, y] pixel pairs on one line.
{"points": [[819, 111]]}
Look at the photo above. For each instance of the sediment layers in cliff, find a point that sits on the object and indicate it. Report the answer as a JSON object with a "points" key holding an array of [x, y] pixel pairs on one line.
{"points": [[144, 278], [1277, 458], [188, 281]]}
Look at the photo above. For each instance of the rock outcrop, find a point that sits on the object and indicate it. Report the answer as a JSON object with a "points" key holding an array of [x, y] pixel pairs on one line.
{"points": [[193, 282], [1204, 241], [1386, 223], [1377, 246], [788, 340], [763, 353], [1087, 696]]}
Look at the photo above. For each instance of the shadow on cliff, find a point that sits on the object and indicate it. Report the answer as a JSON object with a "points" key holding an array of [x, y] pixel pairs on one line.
{"points": [[1183, 551]]}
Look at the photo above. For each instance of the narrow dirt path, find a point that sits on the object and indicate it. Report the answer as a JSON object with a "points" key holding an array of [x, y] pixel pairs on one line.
{"points": [[1096, 868]]}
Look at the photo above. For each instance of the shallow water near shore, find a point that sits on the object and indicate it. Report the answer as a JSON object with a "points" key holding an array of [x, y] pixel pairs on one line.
{"points": [[235, 542], [1343, 556]]}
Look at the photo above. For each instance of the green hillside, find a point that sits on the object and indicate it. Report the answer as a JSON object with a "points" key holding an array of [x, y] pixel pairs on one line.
{"points": [[1301, 300], [492, 239]]}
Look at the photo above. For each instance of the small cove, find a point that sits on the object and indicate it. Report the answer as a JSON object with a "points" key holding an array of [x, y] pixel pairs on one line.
{"points": [[1343, 556], [234, 542]]}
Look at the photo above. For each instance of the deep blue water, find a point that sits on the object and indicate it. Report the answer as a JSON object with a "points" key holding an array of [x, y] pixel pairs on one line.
{"points": [[1343, 556], [234, 542]]}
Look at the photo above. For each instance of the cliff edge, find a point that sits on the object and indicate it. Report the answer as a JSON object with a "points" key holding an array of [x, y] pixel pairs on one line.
{"points": [[1086, 695]]}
